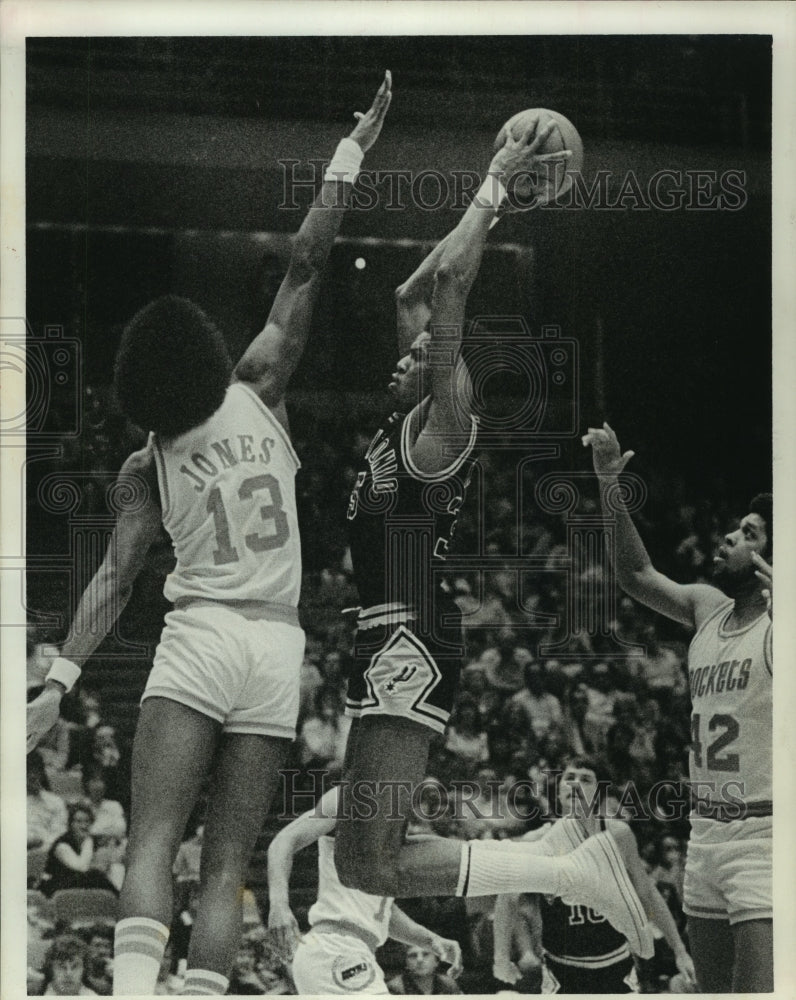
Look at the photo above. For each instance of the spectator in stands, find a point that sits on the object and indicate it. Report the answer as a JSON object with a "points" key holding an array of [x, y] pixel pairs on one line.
{"points": [[46, 811], [73, 862], [109, 819], [466, 737], [670, 869], [98, 973], [169, 983], [322, 737], [600, 712], [540, 710], [660, 668], [311, 679], [421, 975], [245, 979], [64, 968], [105, 752]]}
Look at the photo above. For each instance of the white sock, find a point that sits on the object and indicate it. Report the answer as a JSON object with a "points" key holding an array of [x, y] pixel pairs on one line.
{"points": [[489, 868], [203, 983], [138, 946]]}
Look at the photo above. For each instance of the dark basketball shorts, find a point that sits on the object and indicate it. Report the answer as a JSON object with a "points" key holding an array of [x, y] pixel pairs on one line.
{"points": [[400, 669], [620, 977]]}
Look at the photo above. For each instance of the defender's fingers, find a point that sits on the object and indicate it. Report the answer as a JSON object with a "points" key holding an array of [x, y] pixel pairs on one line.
{"points": [[628, 455], [358, 115], [561, 154], [542, 134]]}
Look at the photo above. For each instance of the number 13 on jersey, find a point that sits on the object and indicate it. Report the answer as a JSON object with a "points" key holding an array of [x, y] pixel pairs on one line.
{"points": [[272, 514]]}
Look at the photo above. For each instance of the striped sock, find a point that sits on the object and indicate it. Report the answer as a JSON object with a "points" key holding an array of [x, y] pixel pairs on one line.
{"points": [[203, 983], [138, 947], [488, 868]]}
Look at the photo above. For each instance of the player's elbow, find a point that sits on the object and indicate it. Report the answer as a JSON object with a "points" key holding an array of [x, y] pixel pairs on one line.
{"points": [[452, 278], [306, 261]]}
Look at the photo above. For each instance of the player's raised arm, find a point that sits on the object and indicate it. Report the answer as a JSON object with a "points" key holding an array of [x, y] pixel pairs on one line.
{"points": [[272, 357], [652, 901], [685, 603], [106, 596], [302, 832], [459, 258]]}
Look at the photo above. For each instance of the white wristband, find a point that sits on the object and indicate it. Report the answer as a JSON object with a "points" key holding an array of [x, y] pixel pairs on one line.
{"points": [[346, 162], [492, 192], [64, 672]]}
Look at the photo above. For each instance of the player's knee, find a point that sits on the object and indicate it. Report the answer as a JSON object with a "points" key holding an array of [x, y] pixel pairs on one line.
{"points": [[369, 868]]}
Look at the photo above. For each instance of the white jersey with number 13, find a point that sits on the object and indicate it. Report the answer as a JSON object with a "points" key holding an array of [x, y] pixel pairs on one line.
{"points": [[227, 489]]}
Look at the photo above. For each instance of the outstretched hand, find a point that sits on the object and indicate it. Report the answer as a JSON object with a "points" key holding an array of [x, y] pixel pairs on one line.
{"points": [[765, 574], [368, 126], [506, 971], [283, 929], [606, 453], [521, 155], [448, 951]]}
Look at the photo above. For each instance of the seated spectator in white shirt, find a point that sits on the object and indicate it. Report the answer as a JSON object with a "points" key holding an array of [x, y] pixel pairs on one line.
{"points": [[109, 819], [542, 710], [47, 814], [466, 736]]}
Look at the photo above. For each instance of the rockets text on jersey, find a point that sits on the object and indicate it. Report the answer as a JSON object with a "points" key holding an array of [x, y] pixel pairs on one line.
{"points": [[731, 705]]}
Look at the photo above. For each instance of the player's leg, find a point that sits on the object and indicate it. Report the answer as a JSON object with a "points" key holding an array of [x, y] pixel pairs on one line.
{"points": [[386, 753], [244, 781], [753, 968], [386, 756], [712, 950], [172, 753]]}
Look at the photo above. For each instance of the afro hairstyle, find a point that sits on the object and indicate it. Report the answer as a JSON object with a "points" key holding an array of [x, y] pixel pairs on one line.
{"points": [[172, 367]]}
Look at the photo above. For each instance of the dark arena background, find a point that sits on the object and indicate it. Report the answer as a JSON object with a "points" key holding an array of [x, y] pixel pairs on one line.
{"points": [[159, 165]]}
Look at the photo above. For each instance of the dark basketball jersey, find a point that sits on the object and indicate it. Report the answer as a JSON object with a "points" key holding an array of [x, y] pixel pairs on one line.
{"points": [[401, 520], [576, 935]]}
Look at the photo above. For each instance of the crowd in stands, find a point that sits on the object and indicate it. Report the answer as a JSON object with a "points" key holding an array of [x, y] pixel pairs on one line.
{"points": [[531, 695]]}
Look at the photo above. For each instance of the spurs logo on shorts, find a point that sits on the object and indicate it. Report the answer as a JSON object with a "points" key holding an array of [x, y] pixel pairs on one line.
{"points": [[400, 678], [354, 975]]}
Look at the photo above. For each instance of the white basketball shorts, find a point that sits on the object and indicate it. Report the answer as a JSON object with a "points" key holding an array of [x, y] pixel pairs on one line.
{"points": [[728, 871], [336, 963], [242, 671]]}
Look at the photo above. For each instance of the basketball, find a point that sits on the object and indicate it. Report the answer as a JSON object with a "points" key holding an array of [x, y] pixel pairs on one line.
{"points": [[564, 137]]}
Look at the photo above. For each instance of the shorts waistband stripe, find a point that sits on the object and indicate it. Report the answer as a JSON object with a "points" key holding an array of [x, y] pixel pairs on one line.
{"points": [[596, 962], [728, 812], [269, 611], [350, 929]]}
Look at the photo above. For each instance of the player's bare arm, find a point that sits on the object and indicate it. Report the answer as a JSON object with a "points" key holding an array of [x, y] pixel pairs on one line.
{"points": [[309, 827], [652, 901], [107, 594], [413, 299], [402, 928], [441, 439], [506, 918], [272, 357], [688, 604]]}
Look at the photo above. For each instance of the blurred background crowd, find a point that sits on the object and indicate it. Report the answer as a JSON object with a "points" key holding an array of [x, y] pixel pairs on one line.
{"points": [[533, 693], [156, 165]]}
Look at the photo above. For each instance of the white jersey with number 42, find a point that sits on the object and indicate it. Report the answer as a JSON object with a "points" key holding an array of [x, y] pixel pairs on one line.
{"points": [[731, 704], [227, 489]]}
